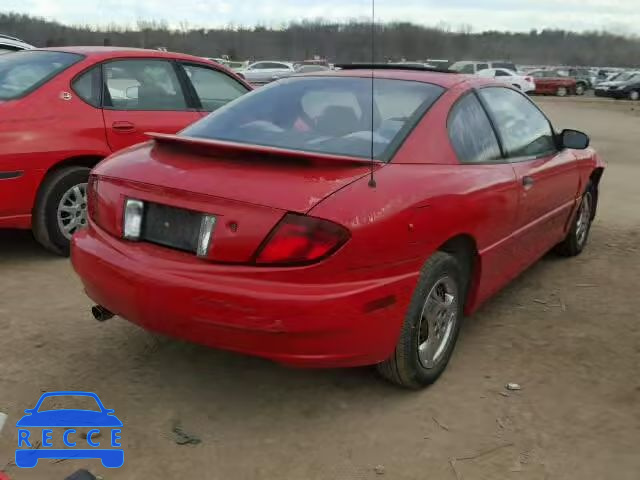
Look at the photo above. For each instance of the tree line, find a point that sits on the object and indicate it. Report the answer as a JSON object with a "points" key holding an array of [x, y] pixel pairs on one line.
{"points": [[350, 41]]}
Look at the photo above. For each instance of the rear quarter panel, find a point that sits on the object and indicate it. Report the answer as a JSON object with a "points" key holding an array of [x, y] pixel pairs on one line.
{"points": [[41, 130], [423, 198]]}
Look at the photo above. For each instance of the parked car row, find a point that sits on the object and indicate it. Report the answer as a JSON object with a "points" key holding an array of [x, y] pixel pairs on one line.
{"points": [[622, 85], [12, 44]]}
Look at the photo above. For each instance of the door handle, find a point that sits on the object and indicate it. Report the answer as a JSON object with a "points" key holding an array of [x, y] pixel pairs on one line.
{"points": [[527, 182], [123, 127]]}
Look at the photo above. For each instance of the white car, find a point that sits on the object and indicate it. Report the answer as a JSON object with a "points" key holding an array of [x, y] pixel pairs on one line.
{"points": [[260, 73], [523, 82], [11, 44]]}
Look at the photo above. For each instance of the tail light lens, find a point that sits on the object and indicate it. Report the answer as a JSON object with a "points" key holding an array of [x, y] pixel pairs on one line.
{"points": [[92, 198], [299, 240], [528, 79]]}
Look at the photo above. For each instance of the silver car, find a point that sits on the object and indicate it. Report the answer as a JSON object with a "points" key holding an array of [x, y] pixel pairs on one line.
{"points": [[11, 44], [260, 73]]}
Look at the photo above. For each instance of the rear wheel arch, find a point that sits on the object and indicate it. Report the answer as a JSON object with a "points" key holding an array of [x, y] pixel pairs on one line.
{"points": [[87, 161], [41, 224], [465, 249], [594, 182]]}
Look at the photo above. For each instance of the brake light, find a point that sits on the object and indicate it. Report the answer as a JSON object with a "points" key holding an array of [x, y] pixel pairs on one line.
{"points": [[92, 198], [528, 79], [299, 240]]}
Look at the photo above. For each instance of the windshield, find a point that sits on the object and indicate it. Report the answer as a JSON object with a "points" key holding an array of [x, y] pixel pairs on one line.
{"points": [[326, 115], [22, 72], [625, 76]]}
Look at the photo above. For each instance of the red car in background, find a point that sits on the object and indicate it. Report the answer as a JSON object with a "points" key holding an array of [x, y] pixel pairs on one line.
{"points": [[63, 110], [308, 224], [549, 82]]}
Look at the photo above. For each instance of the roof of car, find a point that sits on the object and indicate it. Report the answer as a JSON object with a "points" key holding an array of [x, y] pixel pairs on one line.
{"points": [[446, 80], [106, 52]]}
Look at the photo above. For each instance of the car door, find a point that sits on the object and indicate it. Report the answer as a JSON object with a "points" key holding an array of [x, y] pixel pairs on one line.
{"points": [[495, 199], [144, 95], [258, 72], [548, 178], [543, 85], [212, 88], [504, 77]]}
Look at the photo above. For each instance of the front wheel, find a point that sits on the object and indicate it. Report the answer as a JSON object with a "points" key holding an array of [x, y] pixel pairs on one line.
{"points": [[634, 95], [580, 89], [576, 239], [431, 326], [61, 208]]}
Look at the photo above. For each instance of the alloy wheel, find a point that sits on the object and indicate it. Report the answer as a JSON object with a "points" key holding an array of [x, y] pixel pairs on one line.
{"points": [[583, 219], [72, 210], [437, 322]]}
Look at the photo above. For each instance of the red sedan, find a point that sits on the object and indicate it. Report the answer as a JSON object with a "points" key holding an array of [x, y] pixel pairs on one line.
{"points": [[63, 110], [549, 82], [307, 224]]}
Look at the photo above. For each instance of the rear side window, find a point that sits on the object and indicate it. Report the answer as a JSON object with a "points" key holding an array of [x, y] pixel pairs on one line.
{"points": [[214, 88], [525, 131], [87, 86], [23, 72], [149, 85], [502, 73], [471, 133]]}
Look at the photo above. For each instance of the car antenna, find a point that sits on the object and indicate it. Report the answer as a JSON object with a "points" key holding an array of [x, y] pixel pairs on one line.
{"points": [[372, 180]]}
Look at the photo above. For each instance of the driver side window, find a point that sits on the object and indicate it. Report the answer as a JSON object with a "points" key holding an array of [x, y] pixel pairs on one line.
{"points": [[525, 131]]}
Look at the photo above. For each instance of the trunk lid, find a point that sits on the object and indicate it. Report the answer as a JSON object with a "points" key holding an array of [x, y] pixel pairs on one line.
{"points": [[282, 179], [248, 189]]}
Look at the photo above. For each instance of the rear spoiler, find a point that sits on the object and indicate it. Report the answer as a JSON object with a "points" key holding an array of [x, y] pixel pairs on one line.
{"points": [[224, 146]]}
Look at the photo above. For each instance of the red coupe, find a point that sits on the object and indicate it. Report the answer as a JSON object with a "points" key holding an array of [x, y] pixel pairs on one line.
{"points": [[308, 224], [63, 110]]}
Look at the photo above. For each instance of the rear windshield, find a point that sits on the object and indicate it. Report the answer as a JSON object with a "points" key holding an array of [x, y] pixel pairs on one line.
{"points": [[323, 114], [22, 72]]}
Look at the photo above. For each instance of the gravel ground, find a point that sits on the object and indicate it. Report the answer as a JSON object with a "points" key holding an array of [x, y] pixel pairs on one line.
{"points": [[567, 331]]}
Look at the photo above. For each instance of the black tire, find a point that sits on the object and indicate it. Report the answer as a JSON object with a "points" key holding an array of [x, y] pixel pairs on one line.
{"points": [[577, 239], [562, 92], [45, 219], [405, 367], [634, 95], [581, 88]]}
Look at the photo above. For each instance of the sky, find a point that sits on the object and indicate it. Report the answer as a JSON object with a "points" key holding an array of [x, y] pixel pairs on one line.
{"points": [[618, 16]]}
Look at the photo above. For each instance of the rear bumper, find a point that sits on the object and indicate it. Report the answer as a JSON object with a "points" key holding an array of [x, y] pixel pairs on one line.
{"points": [[297, 323]]}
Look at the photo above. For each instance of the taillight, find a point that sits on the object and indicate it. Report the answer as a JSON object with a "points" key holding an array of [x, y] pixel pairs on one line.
{"points": [[92, 198], [528, 79], [299, 240]]}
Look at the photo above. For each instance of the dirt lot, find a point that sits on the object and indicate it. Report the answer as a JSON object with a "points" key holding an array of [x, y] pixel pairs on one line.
{"points": [[568, 331]]}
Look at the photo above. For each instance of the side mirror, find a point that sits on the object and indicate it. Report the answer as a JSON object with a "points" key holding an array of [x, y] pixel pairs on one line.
{"points": [[574, 139]]}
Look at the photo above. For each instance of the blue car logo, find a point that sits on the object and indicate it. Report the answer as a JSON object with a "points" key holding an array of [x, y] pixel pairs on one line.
{"points": [[68, 420]]}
